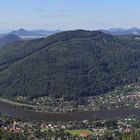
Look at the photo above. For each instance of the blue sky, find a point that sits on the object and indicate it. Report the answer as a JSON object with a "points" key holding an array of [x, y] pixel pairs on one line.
{"points": [[69, 14]]}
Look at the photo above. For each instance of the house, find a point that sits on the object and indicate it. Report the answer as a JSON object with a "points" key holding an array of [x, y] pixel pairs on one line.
{"points": [[84, 134]]}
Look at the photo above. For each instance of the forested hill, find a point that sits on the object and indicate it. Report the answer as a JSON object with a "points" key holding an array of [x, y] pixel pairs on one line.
{"points": [[70, 64], [9, 38]]}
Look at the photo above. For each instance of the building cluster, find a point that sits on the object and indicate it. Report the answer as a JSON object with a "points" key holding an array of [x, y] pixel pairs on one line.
{"points": [[94, 130]]}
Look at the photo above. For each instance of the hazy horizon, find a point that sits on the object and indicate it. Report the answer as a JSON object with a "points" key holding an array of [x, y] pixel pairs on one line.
{"points": [[7, 31], [68, 14]]}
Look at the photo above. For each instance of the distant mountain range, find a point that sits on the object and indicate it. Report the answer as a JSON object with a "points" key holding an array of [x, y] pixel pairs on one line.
{"points": [[121, 31], [23, 32], [31, 34]]}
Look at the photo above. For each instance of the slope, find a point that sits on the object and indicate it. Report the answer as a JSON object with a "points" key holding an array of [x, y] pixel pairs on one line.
{"points": [[70, 64], [9, 38]]}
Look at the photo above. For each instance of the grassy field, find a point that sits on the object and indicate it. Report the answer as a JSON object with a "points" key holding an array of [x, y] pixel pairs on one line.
{"points": [[78, 132]]}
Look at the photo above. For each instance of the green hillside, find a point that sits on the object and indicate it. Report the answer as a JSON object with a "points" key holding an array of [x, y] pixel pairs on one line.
{"points": [[69, 64], [7, 39]]}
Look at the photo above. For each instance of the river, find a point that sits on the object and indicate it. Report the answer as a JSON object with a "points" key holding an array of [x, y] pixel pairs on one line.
{"points": [[19, 112]]}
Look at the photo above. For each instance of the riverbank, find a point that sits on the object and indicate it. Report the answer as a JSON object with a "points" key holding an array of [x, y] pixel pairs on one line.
{"points": [[23, 114], [16, 103]]}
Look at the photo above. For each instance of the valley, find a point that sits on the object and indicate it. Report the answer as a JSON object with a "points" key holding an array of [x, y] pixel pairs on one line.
{"points": [[71, 85], [69, 70], [126, 97]]}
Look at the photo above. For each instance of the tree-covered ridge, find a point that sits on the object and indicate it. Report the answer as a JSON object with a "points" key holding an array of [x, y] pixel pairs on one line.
{"points": [[69, 64], [22, 49], [7, 39]]}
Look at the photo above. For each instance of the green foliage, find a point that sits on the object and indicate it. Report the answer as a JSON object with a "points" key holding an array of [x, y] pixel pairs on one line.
{"points": [[70, 64], [11, 136]]}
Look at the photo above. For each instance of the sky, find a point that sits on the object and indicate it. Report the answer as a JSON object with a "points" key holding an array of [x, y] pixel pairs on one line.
{"points": [[69, 14]]}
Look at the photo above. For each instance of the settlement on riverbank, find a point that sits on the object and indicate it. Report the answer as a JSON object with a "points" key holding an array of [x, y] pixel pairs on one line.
{"points": [[114, 129], [22, 113]]}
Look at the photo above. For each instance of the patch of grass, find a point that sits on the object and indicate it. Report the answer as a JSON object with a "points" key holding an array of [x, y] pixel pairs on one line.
{"points": [[43, 130], [78, 132]]}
